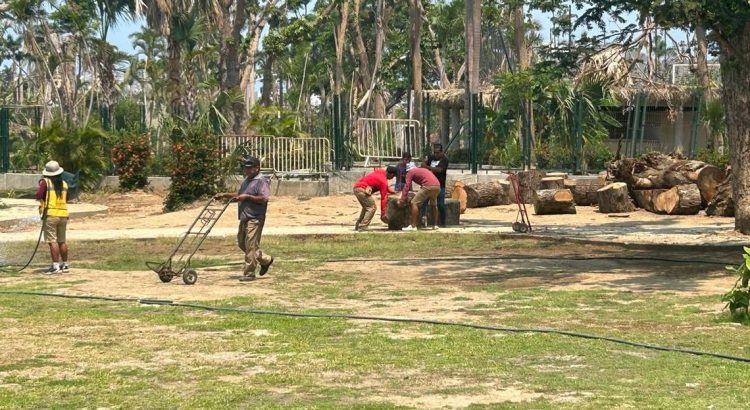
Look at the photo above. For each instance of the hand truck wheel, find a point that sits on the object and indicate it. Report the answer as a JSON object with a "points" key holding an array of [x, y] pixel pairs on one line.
{"points": [[520, 227], [189, 277], [165, 275]]}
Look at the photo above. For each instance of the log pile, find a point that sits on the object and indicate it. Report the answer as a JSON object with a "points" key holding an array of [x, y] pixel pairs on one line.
{"points": [[487, 194], [722, 204], [554, 202], [614, 198], [661, 171]]}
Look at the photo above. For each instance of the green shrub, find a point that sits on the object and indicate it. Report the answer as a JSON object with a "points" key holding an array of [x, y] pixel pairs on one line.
{"points": [[76, 149], [130, 157], [738, 298], [194, 164], [713, 157]]}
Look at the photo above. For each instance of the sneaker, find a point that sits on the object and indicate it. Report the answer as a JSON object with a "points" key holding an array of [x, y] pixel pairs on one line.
{"points": [[409, 228], [52, 269], [65, 267], [435, 227], [247, 278], [361, 229], [264, 269]]}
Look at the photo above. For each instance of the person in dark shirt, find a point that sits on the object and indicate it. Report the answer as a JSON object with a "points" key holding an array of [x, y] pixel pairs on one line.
{"points": [[252, 202], [438, 164]]}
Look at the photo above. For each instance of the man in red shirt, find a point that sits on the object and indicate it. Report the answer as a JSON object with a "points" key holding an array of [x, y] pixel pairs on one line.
{"points": [[430, 189], [364, 188]]}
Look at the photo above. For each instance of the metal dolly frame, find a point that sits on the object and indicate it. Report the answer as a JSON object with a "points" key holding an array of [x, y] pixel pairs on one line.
{"points": [[178, 263], [524, 225]]}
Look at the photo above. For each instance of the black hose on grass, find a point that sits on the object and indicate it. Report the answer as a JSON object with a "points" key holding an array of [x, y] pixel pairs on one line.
{"points": [[166, 302], [36, 248]]}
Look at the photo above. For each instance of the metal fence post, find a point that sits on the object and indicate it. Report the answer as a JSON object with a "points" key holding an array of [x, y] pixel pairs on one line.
{"points": [[338, 140], [578, 134], [4, 139], [473, 137], [697, 113]]}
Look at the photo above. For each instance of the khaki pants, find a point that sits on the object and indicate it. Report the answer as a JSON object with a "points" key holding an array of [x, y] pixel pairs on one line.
{"points": [[54, 229], [426, 193], [364, 196], [248, 239]]}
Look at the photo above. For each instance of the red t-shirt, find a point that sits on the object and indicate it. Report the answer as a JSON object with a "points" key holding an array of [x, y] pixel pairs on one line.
{"points": [[377, 181]]}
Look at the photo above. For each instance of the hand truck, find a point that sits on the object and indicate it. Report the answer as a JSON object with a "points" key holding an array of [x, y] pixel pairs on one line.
{"points": [[178, 263], [524, 225]]}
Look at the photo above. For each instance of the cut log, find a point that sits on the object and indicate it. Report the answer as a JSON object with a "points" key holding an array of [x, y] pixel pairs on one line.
{"points": [[529, 181], [562, 175], [644, 198], [679, 200], [614, 198], [584, 190], [554, 202], [459, 193], [487, 194], [708, 181], [452, 213], [552, 183], [722, 204]]}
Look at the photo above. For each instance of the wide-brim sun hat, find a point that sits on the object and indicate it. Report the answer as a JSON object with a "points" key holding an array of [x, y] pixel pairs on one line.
{"points": [[52, 169]]}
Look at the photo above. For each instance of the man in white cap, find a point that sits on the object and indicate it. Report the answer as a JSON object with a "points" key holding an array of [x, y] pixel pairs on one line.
{"points": [[53, 198]]}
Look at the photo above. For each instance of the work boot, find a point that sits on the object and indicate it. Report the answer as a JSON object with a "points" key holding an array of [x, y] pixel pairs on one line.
{"points": [[264, 269]]}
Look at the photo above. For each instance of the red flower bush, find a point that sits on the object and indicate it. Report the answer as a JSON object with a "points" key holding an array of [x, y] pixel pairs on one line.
{"points": [[131, 156]]}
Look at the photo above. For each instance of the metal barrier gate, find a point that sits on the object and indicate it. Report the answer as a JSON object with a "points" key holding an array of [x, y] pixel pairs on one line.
{"points": [[281, 155], [385, 138]]}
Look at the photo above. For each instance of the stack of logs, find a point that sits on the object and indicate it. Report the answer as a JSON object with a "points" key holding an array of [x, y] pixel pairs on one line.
{"points": [[666, 184]]}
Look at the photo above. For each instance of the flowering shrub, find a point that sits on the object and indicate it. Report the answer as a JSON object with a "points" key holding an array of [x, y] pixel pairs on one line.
{"points": [[130, 157], [194, 165]]}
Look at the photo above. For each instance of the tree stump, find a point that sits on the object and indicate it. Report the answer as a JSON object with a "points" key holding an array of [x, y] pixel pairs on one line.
{"points": [[529, 181], [679, 200], [644, 198], [722, 204], [398, 217], [452, 213], [614, 198], [552, 183], [459, 193], [487, 194], [554, 202]]}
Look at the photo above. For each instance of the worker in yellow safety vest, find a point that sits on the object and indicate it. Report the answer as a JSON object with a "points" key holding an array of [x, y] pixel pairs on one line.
{"points": [[53, 198]]}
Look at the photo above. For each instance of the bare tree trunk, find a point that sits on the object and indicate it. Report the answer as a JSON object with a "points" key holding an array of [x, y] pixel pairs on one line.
{"points": [[173, 75], [473, 36], [522, 64], [735, 74], [717, 141], [231, 23], [415, 31], [340, 38]]}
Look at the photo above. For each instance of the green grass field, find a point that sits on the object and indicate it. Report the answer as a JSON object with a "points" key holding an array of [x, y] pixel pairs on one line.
{"points": [[71, 353]]}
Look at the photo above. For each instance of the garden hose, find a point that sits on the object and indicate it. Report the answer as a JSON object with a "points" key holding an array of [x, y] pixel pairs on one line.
{"points": [[36, 248], [166, 302]]}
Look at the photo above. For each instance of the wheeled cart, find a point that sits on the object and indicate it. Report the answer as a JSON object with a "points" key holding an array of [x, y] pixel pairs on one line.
{"points": [[524, 225], [178, 263]]}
